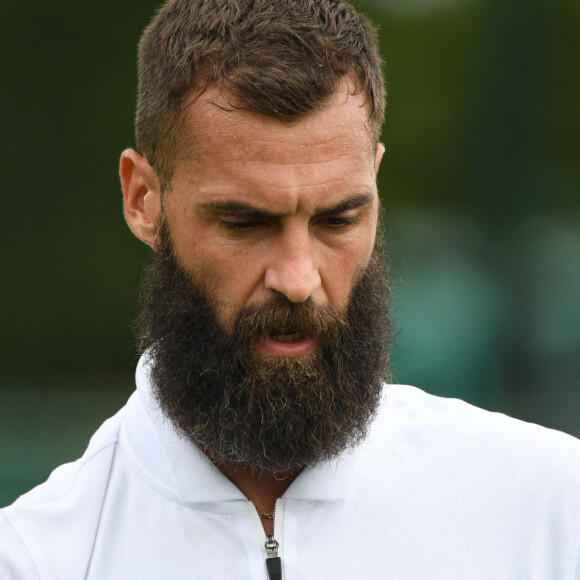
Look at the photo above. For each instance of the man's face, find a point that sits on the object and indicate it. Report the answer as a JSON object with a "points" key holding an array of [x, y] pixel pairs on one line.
{"points": [[265, 309], [267, 208]]}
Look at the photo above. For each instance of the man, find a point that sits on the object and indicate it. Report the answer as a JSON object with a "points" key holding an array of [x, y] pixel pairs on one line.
{"points": [[261, 441]]}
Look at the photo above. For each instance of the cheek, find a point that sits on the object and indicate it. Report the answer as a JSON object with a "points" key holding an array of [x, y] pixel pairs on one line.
{"points": [[222, 269], [221, 290], [342, 269], [231, 277]]}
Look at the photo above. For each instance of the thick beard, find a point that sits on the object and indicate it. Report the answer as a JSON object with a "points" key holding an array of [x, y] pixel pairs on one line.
{"points": [[265, 413]]}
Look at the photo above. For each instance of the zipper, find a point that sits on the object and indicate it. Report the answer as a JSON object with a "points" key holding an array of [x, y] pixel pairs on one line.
{"points": [[273, 561], [271, 545]]}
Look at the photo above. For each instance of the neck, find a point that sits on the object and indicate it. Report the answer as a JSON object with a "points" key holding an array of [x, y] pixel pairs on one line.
{"points": [[262, 489]]}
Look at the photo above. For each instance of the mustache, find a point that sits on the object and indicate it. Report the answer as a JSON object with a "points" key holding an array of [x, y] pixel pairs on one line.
{"points": [[280, 316]]}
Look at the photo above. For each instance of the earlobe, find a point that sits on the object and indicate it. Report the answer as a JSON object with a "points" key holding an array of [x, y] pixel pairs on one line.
{"points": [[141, 196], [379, 156]]}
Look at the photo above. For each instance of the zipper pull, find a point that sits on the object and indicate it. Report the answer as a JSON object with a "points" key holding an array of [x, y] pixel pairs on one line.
{"points": [[273, 561]]}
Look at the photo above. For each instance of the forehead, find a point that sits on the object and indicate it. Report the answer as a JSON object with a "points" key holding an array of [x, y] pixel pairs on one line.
{"points": [[233, 150]]}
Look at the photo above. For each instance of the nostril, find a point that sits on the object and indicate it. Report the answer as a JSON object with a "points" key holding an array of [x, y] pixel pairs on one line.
{"points": [[296, 278]]}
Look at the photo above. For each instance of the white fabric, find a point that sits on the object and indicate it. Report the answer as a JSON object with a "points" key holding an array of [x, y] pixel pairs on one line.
{"points": [[439, 490]]}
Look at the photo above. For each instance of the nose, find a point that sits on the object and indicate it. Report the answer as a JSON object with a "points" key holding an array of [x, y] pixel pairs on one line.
{"points": [[292, 269]]}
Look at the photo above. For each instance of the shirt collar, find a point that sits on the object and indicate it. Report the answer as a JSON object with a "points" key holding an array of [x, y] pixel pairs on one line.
{"points": [[197, 480]]}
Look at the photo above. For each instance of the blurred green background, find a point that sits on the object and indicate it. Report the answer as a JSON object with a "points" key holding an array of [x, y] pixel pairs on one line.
{"points": [[481, 186]]}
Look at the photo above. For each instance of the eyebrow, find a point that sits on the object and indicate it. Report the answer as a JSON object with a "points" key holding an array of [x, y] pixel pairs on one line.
{"points": [[355, 202], [246, 210]]}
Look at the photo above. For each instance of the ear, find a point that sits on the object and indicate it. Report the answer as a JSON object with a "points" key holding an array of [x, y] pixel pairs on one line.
{"points": [[379, 156], [141, 196]]}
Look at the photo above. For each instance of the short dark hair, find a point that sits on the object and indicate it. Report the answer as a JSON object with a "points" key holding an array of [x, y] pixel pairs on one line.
{"points": [[282, 58]]}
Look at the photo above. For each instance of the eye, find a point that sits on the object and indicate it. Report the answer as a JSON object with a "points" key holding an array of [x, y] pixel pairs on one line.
{"points": [[240, 226], [340, 222]]}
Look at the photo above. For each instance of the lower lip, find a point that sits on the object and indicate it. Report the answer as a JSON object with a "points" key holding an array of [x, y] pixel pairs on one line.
{"points": [[272, 347]]}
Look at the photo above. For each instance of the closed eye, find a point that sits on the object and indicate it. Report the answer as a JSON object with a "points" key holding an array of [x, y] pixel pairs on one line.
{"points": [[339, 222], [241, 226]]}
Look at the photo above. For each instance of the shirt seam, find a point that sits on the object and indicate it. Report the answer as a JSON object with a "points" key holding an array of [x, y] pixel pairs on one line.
{"points": [[101, 513], [576, 565], [73, 483], [22, 543]]}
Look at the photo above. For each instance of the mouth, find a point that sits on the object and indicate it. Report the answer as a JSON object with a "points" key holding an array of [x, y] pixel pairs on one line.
{"points": [[288, 337], [287, 344]]}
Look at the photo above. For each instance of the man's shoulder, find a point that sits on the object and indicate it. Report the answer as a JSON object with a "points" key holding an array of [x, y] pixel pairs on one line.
{"points": [[441, 408], [66, 478], [69, 501], [459, 433], [453, 418], [466, 489]]}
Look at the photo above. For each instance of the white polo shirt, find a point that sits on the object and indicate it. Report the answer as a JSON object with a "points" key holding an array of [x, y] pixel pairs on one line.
{"points": [[439, 490]]}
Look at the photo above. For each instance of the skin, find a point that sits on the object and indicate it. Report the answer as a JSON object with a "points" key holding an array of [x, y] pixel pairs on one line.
{"points": [[264, 208]]}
